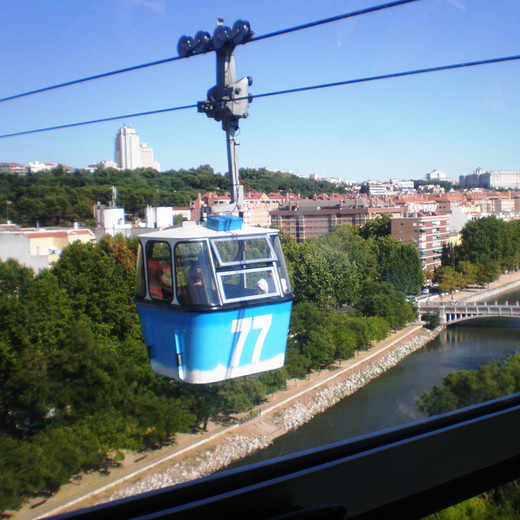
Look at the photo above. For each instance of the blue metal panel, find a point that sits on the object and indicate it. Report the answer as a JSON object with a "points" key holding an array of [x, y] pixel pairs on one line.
{"points": [[205, 347]]}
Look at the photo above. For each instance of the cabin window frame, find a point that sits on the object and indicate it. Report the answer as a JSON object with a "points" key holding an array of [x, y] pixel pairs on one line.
{"points": [[245, 272], [235, 263], [150, 244], [141, 279], [205, 260]]}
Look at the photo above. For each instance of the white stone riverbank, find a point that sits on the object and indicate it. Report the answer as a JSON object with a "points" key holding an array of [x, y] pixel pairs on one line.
{"points": [[300, 413]]}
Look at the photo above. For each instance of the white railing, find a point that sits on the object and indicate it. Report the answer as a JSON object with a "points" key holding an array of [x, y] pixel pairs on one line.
{"points": [[458, 311]]}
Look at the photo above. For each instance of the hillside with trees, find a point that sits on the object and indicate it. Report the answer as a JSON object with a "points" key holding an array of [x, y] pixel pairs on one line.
{"points": [[77, 389], [60, 198]]}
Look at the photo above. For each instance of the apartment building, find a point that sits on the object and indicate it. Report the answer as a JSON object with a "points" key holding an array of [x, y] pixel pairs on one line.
{"points": [[429, 232], [130, 153], [13, 168], [299, 223]]}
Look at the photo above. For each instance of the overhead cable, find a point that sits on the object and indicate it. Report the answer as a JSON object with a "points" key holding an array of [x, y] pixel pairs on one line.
{"points": [[103, 120], [392, 75], [344, 16], [440, 68], [89, 78]]}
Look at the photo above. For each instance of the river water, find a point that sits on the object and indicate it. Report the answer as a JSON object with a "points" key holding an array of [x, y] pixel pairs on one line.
{"points": [[390, 400]]}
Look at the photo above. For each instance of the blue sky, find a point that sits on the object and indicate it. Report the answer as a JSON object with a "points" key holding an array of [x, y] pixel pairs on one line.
{"points": [[453, 121]]}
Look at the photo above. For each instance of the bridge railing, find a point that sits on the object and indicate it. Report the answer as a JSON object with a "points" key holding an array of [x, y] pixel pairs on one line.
{"points": [[458, 311]]}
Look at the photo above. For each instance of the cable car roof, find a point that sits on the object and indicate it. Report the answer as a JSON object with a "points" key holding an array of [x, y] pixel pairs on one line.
{"points": [[187, 230]]}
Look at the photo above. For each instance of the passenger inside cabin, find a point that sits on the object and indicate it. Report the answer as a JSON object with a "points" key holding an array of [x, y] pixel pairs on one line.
{"points": [[268, 286], [241, 253], [160, 280], [196, 290]]}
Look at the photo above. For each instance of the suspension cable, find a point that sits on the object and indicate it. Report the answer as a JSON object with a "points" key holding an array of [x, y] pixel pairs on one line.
{"points": [[94, 121], [344, 16], [440, 68], [176, 58], [392, 75]]}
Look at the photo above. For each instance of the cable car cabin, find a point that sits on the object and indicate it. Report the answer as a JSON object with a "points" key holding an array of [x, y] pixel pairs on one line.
{"points": [[214, 304]]}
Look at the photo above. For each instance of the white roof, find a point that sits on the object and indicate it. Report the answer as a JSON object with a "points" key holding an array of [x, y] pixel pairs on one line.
{"points": [[187, 230]]}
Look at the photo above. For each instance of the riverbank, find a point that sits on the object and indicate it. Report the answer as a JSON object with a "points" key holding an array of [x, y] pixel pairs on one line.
{"points": [[200, 454]]}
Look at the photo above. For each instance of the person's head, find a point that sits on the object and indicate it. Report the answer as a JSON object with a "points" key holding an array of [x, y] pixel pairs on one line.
{"points": [[195, 275]]}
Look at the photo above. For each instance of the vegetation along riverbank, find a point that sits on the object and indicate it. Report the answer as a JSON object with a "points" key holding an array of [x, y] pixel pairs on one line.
{"points": [[79, 396]]}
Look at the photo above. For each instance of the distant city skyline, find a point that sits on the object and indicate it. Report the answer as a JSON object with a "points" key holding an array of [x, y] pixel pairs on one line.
{"points": [[402, 128]]}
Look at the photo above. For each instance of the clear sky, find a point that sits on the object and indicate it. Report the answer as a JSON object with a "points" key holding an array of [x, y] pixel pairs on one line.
{"points": [[452, 121]]}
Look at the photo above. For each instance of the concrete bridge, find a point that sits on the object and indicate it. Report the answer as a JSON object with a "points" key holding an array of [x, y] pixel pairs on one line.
{"points": [[453, 312]]}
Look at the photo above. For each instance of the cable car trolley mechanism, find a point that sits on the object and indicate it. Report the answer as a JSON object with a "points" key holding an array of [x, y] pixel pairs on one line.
{"points": [[213, 297]]}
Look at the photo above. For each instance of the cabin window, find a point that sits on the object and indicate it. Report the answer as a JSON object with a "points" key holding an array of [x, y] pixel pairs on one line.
{"points": [[241, 284], [250, 268], [159, 265], [194, 274], [140, 286], [240, 251]]}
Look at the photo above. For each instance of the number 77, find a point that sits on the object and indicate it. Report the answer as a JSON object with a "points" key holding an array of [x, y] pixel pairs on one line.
{"points": [[243, 326]]}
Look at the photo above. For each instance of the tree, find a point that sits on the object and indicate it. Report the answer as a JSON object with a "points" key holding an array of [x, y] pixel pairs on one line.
{"points": [[486, 273], [468, 271], [432, 320], [486, 241], [376, 228], [351, 261], [381, 299], [467, 387], [310, 272], [449, 279], [399, 264], [449, 255], [312, 335], [99, 280]]}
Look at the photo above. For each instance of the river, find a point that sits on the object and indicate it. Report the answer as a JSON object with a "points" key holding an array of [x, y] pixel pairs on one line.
{"points": [[390, 399]]}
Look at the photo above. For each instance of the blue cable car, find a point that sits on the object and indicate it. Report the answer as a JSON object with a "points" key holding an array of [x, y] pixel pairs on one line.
{"points": [[214, 302], [214, 299]]}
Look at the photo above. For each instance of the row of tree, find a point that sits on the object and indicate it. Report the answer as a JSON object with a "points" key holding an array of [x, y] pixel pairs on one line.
{"points": [[340, 267], [489, 246], [57, 197], [76, 383]]}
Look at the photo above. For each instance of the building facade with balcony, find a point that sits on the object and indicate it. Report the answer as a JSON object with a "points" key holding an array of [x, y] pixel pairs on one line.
{"points": [[429, 232]]}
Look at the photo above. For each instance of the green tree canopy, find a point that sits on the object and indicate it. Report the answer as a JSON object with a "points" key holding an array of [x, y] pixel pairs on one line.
{"points": [[487, 241], [60, 198], [399, 264], [384, 301]]}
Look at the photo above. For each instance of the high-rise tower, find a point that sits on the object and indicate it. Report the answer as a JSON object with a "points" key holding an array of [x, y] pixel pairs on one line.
{"points": [[127, 153], [130, 154]]}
